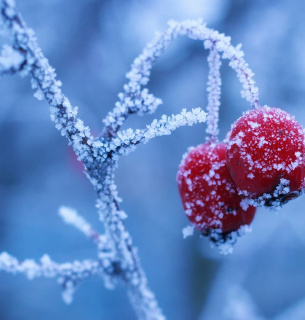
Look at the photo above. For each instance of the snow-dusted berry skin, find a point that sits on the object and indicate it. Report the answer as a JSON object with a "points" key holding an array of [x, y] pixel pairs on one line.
{"points": [[208, 193], [265, 153]]}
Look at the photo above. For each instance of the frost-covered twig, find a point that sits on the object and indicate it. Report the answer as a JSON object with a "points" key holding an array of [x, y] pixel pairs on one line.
{"points": [[69, 274], [11, 61], [48, 268], [214, 90], [126, 140], [71, 217], [132, 101]]}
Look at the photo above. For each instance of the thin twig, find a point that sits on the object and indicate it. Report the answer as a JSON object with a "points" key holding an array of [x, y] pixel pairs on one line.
{"points": [[214, 90]]}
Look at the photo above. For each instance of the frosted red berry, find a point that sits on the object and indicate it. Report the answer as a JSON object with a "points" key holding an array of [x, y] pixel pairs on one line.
{"points": [[265, 153], [208, 193]]}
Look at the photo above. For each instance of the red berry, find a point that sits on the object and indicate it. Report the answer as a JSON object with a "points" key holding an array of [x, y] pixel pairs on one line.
{"points": [[265, 154], [208, 193]]}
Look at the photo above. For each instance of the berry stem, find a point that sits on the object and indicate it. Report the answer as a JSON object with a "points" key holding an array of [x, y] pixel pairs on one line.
{"points": [[214, 92]]}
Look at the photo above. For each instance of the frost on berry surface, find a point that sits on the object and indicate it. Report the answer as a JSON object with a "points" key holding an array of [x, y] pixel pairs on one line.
{"points": [[265, 155], [209, 196]]}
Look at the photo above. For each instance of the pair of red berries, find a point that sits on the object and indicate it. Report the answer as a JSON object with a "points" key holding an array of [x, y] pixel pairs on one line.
{"points": [[262, 159]]}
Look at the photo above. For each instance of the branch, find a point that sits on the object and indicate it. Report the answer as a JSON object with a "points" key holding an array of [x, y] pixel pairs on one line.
{"points": [[128, 139], [70, 216], [118, 256], [92, 153], [214, 90], [131, 101], [69, 274], [131, 271]]}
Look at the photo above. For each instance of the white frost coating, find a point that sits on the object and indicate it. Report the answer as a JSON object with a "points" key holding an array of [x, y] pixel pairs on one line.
{"points": [[189, 183], [135, 101], [200, 203], [273, 201], [126, 140], [70, 216], [70, 272], [11, 60], [253, 125], [262, 141], [46, 267], [187, 231], [226, 245]]}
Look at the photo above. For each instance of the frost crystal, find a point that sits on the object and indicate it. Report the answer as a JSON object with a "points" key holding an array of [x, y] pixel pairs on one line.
{"points": [[10, 60], [226, 242], [188, 231]]}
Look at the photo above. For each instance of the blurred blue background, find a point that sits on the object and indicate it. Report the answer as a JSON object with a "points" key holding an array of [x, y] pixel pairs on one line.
{"points": [[91, 44]]}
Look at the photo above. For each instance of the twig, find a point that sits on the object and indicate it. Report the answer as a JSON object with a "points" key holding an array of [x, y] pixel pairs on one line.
{"points": [[69, 274], [214, 90]]}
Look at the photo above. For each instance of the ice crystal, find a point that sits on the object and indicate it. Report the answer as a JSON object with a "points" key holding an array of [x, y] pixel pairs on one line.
{"points": [[187, 231], [226, 242]]}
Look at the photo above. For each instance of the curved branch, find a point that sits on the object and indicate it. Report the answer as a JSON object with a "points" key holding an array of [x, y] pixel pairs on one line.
{"points": [[214, 90], [141, 68]]}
